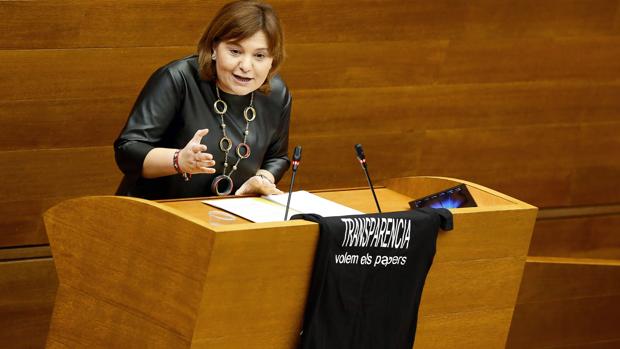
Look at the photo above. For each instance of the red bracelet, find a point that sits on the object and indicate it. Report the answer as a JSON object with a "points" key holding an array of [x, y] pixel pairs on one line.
{"points": [[175, 163]]}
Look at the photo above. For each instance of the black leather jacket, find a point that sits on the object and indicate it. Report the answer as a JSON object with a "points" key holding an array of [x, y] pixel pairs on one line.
{"points": [[173, 105]]}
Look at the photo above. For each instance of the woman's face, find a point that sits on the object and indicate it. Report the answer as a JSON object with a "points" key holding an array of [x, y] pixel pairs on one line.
{"points": [[242, 67]]}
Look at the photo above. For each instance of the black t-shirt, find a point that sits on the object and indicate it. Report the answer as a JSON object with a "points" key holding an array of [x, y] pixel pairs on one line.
{"points": [[368, 276]]}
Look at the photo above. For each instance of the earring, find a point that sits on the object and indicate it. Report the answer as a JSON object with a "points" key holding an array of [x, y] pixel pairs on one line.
{"points": [[213, 56]]}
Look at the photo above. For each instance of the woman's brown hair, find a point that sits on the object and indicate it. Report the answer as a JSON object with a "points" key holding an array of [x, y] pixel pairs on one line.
{"points": [[234, 22]]}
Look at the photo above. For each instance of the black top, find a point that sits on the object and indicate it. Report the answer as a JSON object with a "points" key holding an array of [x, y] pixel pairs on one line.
{"points": [[173, 105], [368, 276]]}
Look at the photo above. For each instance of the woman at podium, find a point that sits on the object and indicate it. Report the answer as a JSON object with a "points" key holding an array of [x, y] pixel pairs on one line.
{"points": [[214, 123]]}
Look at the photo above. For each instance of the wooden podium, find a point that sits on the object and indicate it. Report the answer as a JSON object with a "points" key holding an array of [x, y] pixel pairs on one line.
{"points": [[180, 274]]}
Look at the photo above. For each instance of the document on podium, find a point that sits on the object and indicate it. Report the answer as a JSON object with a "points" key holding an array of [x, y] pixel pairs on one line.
{"points": [[271, 208]]}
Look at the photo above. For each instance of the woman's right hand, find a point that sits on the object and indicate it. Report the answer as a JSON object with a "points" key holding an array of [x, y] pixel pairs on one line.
{"points": [[193, 158]]}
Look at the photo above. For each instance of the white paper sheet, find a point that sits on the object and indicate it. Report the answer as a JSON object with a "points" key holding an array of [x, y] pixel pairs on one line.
{"points": [[258, 210], [271, 208], [305, 202]]}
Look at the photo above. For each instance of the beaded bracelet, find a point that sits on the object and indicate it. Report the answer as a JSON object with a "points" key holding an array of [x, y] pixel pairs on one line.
{"points": [[175, 163]]}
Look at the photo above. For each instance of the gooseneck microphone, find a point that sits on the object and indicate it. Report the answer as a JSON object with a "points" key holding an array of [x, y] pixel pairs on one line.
{"points": [[362, 158], [296, 161]]}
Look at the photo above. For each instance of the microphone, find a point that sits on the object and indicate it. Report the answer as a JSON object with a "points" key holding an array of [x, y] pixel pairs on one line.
{"points": [[362, 159], [296, 157], [296, 161]]}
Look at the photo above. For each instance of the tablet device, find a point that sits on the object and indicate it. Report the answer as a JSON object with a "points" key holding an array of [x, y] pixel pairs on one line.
{"points": [[454, 197]]}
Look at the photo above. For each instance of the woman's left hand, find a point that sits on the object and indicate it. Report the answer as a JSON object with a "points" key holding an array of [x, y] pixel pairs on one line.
{"points": [[258, 185]]}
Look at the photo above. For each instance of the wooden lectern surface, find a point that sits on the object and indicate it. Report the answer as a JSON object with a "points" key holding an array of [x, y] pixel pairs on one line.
{"points": [[181, 274], [359, 199]]}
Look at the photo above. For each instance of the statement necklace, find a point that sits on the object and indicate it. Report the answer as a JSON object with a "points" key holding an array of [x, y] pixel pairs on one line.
{"points": [[223, 184]]}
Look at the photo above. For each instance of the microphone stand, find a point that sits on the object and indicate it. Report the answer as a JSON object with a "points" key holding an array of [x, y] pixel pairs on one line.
{"points": [[290, 192], [372, 188], [296, 161]]}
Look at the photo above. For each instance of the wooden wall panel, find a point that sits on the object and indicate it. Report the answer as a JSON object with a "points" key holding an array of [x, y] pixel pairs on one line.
{"points": [[100, 23], [342, 65], [62, 123], [578, 237], [571, 283], [463, 106], [59, 167], [22, 221], [484, 61], [536, 18], [85, 73], [563, 323], [336, 156], [131, 23], [567, 304], [67, 172], [27, 290], [509, 159], [593, 181], [579, 279]]}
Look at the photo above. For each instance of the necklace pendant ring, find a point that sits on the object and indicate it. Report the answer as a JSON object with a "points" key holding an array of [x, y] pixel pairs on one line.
{"points": [[225, 144], [243, 150], [224, 107], [222, 185], [249, 113]]}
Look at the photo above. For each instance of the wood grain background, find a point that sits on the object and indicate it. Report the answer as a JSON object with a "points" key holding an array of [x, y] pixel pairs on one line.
{"points": [[519, 96]]}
